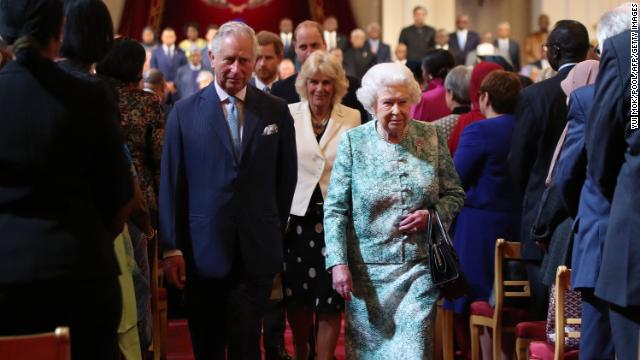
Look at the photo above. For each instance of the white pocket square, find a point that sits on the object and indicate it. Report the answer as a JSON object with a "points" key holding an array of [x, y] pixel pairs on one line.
{"points": [[270, 130]]}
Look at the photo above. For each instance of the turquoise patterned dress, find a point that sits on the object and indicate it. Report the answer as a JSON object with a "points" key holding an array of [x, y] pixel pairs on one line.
{"points": [[373, 185]]}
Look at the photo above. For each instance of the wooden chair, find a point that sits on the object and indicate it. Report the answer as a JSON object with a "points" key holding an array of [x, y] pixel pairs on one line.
{"points": [[500, 319], [47, 346], [544, 349], [563, 283], [526, 332], [158, 305], [443, 344]]}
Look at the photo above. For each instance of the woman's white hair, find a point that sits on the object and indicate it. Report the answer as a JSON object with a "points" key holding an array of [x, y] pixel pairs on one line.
{"points": [[385, 75], [234, 28], [613, 22]]}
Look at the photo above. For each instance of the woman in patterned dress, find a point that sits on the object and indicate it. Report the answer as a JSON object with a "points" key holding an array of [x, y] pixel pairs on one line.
{"points": [[319, 120], [387, 174]]}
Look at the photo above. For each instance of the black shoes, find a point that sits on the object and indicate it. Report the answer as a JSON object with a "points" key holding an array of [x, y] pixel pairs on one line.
{"points": [[276, 353]]}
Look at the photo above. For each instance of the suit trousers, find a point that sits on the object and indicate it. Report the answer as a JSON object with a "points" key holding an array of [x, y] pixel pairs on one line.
{"points": [[226, 313], [274, 324], [595, 331], [90, 308], [625, 329], [539, 303]]}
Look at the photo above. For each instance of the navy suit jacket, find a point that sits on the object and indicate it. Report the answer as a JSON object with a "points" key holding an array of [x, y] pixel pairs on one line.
{"points": [[168, 66], [473, 40], [581, 196], [614, 164], [384, 52], [186, 81], [541, 116], [219, 210]]}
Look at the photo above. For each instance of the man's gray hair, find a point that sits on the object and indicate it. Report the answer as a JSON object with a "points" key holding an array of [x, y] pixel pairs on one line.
{"points": [[457, 81], [234, 28], [614, 22], [385, 75]]}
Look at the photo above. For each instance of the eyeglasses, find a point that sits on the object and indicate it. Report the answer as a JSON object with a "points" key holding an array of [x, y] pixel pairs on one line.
{"points": [[547, 46], [596, 49]]}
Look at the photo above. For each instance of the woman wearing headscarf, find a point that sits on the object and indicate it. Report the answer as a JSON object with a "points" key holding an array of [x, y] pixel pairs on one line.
{"points": [[479, 72], [64, 182], [388, 176]]}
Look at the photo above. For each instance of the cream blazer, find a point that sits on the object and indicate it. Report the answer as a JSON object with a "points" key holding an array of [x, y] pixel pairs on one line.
{"points": [[315, 160]]}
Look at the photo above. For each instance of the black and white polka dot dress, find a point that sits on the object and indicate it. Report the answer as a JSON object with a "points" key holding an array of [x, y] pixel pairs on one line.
{"points": [[306, 282]]}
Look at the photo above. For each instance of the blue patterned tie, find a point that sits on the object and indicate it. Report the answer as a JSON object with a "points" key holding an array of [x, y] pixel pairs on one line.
{"points": [[234, 124], [266, 89]]}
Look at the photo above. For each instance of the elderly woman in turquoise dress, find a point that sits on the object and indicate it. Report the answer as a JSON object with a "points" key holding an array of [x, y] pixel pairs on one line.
{"points": [[388, 174]]}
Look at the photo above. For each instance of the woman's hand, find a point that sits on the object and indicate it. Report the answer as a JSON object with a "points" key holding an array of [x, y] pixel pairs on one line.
{"points": [[415, 221], [342, 283]]}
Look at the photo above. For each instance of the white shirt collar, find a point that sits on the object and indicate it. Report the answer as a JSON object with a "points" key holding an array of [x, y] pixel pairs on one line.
{"points": [[566, 65], [167, 48], [260, 85], [195, 68], [462, 32], [240, 95]]}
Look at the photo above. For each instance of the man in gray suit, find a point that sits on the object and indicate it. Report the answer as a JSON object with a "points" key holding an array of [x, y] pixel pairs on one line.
{"points": [[505, 43]]}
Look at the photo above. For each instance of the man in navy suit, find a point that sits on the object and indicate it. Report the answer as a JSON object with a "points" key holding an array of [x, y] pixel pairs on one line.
{"points": [[374, 44], [463, 41], [229, 171], [541, 117], [507, 44], [185, 81], [286, 35], [168, 58], [614, 164]]}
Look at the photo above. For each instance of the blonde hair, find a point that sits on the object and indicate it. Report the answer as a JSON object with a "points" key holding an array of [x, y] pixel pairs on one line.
{"points": [[326, 64]]}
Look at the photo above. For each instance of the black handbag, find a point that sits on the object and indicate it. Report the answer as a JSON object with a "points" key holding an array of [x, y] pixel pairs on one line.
{"points": [[446, 272]]}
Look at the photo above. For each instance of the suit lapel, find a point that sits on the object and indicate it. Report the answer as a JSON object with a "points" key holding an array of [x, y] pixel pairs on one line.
{"points": [[210, 109], [251, 122]]}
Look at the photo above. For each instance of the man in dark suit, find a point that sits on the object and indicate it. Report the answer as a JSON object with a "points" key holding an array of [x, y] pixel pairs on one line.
{"points": [[614, 163], [590, 210], [308, 38], [64, 183], [286, 35], [505, 43], [168, 58], [185, 81], [358, 59], [418, 37], [463, 41], [332, 38], [375, 46], [542, 115], [229, 172]]}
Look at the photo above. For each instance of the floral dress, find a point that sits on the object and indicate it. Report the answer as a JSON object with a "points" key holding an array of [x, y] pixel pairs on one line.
{"points": [[373, 185]]}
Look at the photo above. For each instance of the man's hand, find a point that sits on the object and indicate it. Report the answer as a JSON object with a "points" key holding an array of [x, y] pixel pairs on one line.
{"points": [[175, 270], [342, 282]]}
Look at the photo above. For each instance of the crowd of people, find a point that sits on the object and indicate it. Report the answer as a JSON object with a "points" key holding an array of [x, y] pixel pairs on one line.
{"points": [[291, 178]]}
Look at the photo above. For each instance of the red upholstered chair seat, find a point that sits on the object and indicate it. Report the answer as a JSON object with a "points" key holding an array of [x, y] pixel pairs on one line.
{"points": [[535, 330], [510, 316], [542, 350]]}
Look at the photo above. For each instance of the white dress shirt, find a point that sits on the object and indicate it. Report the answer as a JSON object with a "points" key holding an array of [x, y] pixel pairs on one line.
{"points": [[286, 38], [331, 39], [169, 50], [462, 38], [503, 44], [260, 85]]}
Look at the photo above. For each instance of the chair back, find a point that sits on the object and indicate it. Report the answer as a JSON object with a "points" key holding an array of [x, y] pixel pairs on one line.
{"points": [[507, 250], [53, 345], [564, 325]]}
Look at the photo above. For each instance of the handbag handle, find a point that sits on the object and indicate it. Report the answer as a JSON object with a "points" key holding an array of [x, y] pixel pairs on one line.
{"points": [[439, 261]]}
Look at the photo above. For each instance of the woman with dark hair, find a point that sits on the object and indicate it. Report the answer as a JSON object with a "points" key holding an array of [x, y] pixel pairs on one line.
{"points": [[88, 32], [435, 67], [492, 206], [193, 39], [141, 115], [63, 185]]}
